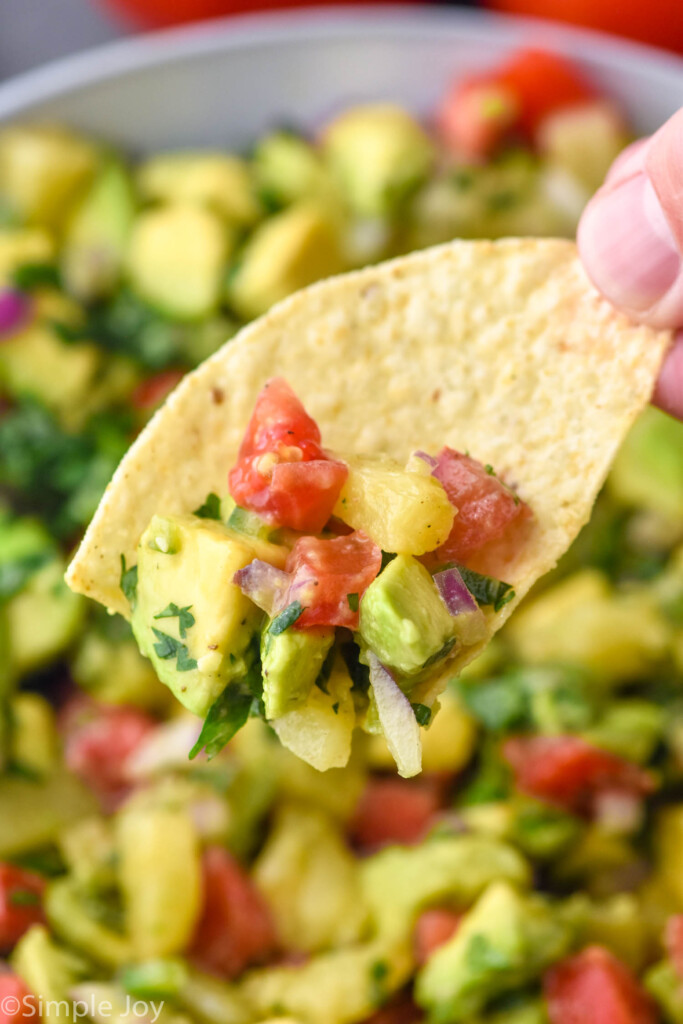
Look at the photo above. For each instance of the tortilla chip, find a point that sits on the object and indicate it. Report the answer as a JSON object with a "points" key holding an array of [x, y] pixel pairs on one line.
{"points": [[502, 349]]}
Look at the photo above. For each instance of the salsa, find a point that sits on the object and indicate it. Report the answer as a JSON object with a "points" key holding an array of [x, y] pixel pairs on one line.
{"points": [[532, 873]]}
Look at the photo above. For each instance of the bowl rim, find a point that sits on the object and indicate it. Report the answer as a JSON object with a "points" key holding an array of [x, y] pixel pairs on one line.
{"points": [[145, 51]]}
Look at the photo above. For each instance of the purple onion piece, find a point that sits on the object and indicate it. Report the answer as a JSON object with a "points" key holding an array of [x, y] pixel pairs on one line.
{"points": [[470, 621], [16, 308], [397, 718], [429, 459], [263, 584], [454, 593]]}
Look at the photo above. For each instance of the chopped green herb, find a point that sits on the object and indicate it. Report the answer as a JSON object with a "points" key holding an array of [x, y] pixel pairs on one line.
{"points": [[442, 653], [378, 977], [486, 589], [168, 647], [30, 276], [326, 671], [360, 673], [226, 716], [353, 601], [489, 469], [286, 618], [23, 898], [129, 582], [211, 509], [335, 707], [423, 714], [387, 556], [185, 617]]}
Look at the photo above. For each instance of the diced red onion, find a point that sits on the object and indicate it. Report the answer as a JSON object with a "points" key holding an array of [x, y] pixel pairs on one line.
{"points": [[618, 811], [470, 621], [163, 749], [15, 309], [397, 719], [429, 459], [454, 592], [263, 584]]}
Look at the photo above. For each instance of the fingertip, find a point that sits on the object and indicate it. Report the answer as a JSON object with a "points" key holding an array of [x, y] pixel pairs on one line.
{"points": [[668, 393]]}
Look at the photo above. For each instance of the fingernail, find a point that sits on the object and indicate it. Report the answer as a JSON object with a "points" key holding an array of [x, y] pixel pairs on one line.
{"points": [[627, 246]]}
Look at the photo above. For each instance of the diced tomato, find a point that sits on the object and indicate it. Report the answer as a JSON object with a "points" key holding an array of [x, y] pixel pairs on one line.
{"points": [[235, 930], [282, 473], [280, 418], [569, 772], [98, 740], [393, 810], [433, 929], [674, 942], [17, 1004], [543, 83], [20, 903], [476, 116], [594, 987], [153, 390], [481, 111], [325, 572], [489, 513]]}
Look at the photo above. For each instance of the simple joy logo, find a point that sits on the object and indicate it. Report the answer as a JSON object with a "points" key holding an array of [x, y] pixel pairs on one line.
{"points": [[137, 1011]]}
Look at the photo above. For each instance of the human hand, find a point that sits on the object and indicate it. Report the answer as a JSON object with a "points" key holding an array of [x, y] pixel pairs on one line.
{"points": [[631, 243]]}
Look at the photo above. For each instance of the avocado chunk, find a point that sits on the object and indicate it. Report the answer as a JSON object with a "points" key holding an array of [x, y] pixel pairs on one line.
{"points": [[648, 470], [400, 881], [379, 155], [505, 941], [216, 180], [68, 916], [49, 970], [44, 619], [40, 810], [176, 259], [287, 252], [35, 743], [664, 984], [291, 661], [288, 169], [96, 234], [189, 618], [403, 620]]}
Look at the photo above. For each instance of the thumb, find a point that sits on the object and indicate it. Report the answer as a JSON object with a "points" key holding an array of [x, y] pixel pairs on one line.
{"points": [[631, 233]]}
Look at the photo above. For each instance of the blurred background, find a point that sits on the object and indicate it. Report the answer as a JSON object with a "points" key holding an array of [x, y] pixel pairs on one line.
{"points": [[34, 31]]}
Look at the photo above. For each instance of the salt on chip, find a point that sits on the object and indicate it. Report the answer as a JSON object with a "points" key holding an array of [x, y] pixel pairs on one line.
{"points": [[502, 349]]}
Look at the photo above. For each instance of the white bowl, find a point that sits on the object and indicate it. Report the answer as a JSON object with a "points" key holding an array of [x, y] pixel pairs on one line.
{"points": [[225, 82]]}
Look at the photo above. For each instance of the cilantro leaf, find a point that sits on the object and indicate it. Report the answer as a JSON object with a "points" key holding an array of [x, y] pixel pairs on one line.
{"points": [[353, 601], [378, 983], [485, 958], [387, 556], [168, 647], [129, 582], [487, 590], [211, 509], [423, 714], [286, 618], [499, 704], [184, 615], [226, 716], [30, 276]]}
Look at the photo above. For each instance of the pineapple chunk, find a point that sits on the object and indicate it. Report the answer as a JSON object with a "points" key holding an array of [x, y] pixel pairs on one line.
{"points": [[42, 170], [159, 873], [403, 511]]}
